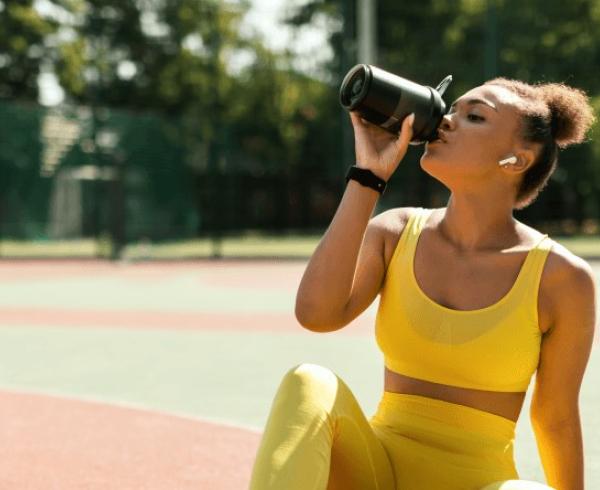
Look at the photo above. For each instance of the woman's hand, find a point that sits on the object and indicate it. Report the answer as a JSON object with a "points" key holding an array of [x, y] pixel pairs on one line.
{"points": [[377, 149]]}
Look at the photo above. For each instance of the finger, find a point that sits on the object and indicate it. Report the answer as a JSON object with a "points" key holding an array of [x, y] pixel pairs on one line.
{"points": [[356, 119], [364, 122], [368, 123], [406, 133]]}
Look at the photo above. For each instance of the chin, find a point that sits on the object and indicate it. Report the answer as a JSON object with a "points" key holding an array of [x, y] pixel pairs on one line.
{"points": [[429, 163], [438, 169]]}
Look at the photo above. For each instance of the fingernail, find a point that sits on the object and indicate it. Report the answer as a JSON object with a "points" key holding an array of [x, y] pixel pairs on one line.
{"points": [[411, 118]]}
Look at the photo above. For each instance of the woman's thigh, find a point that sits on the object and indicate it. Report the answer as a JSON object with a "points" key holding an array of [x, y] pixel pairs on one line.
{"points": [[317, 437], [359, 461]]}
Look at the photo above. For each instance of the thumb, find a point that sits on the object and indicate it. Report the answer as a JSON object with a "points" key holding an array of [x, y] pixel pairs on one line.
{"points": [[406, 134], [356, 120]]}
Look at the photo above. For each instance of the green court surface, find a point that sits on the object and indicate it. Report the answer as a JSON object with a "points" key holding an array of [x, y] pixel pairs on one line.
{"points": [[113, 333]]}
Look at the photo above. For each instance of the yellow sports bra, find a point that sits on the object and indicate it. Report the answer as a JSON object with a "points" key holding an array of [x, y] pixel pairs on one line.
{"points": [[494, 348]]}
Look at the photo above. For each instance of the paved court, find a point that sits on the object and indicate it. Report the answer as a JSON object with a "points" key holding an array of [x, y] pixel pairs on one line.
{"points": [[193, 353]]}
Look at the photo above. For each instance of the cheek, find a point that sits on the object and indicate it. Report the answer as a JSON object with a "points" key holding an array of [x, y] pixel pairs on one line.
{"points": [[479, 148]]}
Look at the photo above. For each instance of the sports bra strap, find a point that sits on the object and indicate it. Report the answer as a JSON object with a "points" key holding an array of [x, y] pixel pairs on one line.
{"points": [[531, 270], [537, 259]]}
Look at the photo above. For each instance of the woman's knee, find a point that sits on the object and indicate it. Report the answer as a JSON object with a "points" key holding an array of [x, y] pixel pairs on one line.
{"points": [[308, 379], [517, 485], [307, 370]]}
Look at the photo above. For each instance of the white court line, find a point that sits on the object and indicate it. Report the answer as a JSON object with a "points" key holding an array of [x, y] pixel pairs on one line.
{"points": [[133, 406]]}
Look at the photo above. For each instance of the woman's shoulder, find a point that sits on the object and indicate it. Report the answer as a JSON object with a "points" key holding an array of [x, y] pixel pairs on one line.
{"points": [[560, 261], [565, 273], [392, 224], [564, 265], [395, 219]]}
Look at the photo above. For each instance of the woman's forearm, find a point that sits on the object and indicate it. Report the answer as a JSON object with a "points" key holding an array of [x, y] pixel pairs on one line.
{"points": [[327, 281], [326, 285], [561, 452]]}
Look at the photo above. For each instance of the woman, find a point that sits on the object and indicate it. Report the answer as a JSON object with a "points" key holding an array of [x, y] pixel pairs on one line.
{"points": [[473, 302]]}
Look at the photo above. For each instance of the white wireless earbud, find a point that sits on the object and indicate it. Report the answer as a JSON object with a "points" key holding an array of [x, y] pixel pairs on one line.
{"points": [[508, 160]]}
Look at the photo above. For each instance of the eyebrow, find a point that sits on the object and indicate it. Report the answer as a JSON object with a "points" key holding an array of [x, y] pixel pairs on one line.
{"points": [[476, 101]]}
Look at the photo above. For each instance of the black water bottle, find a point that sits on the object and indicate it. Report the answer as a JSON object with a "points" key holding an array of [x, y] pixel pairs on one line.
{"points": [[385, 99]]}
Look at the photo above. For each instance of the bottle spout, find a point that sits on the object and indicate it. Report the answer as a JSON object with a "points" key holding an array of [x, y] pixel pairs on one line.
{"points": [[443, 85]]}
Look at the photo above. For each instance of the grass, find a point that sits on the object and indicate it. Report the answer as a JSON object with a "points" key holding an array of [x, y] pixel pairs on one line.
{"points": [[247, 246], [250, 246]]}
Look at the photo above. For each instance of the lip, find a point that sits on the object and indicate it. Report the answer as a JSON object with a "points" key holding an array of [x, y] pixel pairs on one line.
{"points": [[440, 139], [442, 136]]}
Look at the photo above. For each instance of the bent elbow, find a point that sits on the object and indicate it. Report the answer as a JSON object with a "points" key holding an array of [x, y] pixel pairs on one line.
{"points": [[308, 320]]}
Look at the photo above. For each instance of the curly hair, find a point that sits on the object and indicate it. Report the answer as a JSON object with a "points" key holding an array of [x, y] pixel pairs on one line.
{"points": [[553, 114]]}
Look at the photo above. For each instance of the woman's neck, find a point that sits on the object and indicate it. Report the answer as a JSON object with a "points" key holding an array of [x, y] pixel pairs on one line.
{"points": [[474, 224]]}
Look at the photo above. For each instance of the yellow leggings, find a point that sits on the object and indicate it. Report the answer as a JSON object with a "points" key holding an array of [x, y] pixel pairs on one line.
{"points": [[317, 438]]}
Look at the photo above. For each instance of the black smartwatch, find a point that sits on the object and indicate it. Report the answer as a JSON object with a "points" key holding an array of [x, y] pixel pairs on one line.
{"points": [[367, 178]]}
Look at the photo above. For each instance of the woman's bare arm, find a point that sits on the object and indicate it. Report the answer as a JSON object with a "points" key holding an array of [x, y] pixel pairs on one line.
{"points": [[327, 281], [563, 359], [325, 300]]}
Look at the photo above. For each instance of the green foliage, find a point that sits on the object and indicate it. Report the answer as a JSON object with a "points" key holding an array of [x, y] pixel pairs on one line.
{"points": [[165, 55], [169, 62], [475, 40], [22, 48], [177, 51]]}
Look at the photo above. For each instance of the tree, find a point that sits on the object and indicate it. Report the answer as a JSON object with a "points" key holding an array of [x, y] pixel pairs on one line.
{"points": [[173, 57], [22, 48], [535, 41]]}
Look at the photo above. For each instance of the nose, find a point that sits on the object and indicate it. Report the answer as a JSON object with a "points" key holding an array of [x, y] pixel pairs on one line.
{"points": [[447, 122]]}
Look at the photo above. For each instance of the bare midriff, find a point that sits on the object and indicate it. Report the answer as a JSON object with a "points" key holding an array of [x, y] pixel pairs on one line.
{"points": [[505, 404]]}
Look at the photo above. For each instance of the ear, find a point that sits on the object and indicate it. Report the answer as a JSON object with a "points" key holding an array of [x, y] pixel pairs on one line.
{"points": [[525, 159]]}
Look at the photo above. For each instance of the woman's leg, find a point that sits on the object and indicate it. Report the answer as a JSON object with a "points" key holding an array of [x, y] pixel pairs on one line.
{"points": [[317, 438]]}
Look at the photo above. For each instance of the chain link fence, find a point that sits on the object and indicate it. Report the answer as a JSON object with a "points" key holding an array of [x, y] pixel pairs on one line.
{"points": [[94, 182]]}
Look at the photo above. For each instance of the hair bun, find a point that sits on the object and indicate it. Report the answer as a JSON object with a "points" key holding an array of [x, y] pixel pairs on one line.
{"points": [[570, 112], [555, 124]]}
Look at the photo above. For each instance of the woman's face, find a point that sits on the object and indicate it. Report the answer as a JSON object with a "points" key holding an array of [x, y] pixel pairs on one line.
{"points": [[480, 129]]}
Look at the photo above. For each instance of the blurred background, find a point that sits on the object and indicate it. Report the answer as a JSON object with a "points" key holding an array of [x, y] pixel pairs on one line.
{"points": [[134, 129]]}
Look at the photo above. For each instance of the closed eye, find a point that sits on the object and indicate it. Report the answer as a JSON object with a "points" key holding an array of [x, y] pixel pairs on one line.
{"points": [[471, 117], [474, 117]]}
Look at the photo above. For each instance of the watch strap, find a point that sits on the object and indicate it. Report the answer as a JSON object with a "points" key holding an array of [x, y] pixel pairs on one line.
{"points": [[366, 178]]}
